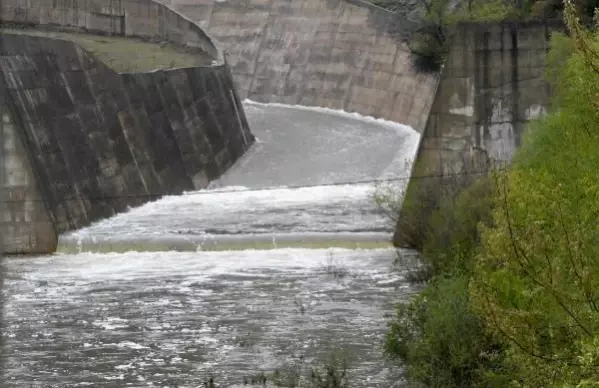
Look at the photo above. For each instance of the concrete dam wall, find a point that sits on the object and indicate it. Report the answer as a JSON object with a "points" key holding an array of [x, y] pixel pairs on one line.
{"points": [[81, 142], [492, 86], [341, 54], [332, 53]]}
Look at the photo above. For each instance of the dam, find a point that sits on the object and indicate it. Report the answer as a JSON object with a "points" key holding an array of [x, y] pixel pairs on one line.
{"points": [[274, 264], [265, 252], [262, 255]]}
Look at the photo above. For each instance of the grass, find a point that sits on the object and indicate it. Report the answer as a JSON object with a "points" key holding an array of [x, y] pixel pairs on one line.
{"points": [[191, 247], [124, 55]]}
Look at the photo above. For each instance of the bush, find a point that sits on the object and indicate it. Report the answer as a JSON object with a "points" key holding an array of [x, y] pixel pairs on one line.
{"points": [[454, 228], [434, 21], [430, 190], [437, 336], [331, 372], [536, 278], [442, 342], [514, 297]]}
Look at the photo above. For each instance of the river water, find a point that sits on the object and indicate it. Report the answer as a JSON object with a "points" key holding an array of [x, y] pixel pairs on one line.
{"points": [[282, 262]]}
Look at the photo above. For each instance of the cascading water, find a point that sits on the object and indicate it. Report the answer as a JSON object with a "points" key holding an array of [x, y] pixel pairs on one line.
{"points": [[303, 266]]}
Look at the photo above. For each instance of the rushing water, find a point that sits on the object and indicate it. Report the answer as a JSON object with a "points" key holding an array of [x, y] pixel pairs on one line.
{"points": [[176, 312]]}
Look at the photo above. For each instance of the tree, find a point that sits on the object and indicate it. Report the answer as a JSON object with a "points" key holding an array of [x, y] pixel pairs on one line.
{"points": [[442, 343], [536, 280]]}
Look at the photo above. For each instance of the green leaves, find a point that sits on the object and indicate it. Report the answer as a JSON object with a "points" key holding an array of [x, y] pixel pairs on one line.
{"points": [[515, 257], [536, 279], [440, 340]]}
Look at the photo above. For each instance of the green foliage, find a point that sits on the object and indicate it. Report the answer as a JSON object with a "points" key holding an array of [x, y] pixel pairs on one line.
{"points": [[436, 20], [431, 201], [442, 342], [515, 261], [441, 217], [485, 11], [428, 334], [330, 373], [429, 43], [454, 228], [536, 278]]}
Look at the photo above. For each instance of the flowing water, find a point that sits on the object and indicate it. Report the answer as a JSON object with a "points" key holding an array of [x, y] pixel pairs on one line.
{"points": [[285, 258]]}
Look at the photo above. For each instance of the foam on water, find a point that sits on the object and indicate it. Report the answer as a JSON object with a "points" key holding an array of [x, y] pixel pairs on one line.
{"points": [[344, 208], [400, 128], [97, 267], [175, 318], [258, 200]]}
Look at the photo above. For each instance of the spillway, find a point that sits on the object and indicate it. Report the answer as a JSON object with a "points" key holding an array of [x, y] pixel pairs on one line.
{"points": [[285, 256]]}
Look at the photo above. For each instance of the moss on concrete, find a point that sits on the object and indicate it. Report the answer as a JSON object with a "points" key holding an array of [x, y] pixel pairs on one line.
{"points": [[124, 55]]}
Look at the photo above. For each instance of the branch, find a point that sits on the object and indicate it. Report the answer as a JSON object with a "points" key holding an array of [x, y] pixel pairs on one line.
{"points": [[520, 345], [519, 251], [580, 36]]}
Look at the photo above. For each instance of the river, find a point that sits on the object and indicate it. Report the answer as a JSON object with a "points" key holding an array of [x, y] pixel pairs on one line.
{"points": [[282, 262]]}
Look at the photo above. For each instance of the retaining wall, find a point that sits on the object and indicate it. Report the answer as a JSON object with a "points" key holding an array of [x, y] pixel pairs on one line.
{"points": [[86, 142]]}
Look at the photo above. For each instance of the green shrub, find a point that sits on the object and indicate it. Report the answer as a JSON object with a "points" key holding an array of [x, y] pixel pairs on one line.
{"points": [[435, 20], [536, 279], [437, 336], [454, 228], [441, 342], [431, 197], [514, 298]]}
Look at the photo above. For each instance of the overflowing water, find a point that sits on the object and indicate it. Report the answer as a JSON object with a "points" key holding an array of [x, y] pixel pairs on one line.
{"points": [[205, 284]]}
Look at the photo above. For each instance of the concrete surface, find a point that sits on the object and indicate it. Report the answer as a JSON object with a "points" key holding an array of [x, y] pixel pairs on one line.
{"points": [[26, 225], [99, 142], [146, 19], [330, 53], [115, 51], [492, 85]]}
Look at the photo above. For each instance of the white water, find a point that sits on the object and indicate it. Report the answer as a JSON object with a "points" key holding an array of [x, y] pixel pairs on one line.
{"points": [[259, 198], [164, 318]]}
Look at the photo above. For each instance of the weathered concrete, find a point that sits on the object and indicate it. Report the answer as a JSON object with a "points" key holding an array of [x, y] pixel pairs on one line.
{"points": [[492, 85], [25, 221], [333, 53], [83, 142], [137, 18]]}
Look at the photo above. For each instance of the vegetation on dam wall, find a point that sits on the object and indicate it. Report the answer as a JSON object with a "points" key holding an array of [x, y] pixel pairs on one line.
{"points": [[117, 51], [511, 259]]}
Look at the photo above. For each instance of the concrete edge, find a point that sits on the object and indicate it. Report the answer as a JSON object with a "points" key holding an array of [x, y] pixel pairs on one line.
{"points": [[220, 52], [79, 47], [9, 106], [371, 6], [410, 187]]}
